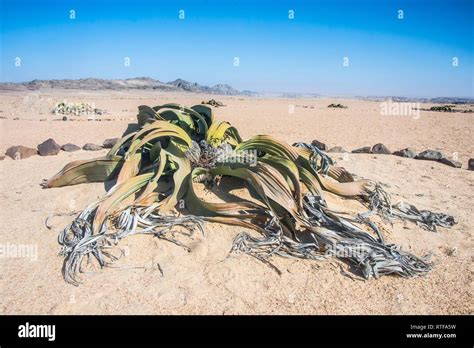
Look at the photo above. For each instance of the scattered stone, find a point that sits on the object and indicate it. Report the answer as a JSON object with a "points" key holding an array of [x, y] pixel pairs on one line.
{"points": [[365, 149], [430, 155], [42, 119], [213, 102], [16, 118], [380, 148], [452, 251], [2, 158], [77, 109], [470, 164], [451, 163], [340, 106], [443, 108], [337, 149], [109, 143], [92, 147], [48, 148], [20, 152], [319, 145], [64, 118], [408, 153], [70, 147]]}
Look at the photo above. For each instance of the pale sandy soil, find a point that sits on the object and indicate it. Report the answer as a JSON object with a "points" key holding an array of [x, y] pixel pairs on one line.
{"points": [[205, 280]]}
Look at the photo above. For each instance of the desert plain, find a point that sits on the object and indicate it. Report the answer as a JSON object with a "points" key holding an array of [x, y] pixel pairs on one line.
{"points": [[158, 277]]}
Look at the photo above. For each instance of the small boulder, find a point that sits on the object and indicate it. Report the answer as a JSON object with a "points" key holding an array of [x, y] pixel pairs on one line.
{"points": [[2, 158], [70, 147], [213, 102], [430, 155], [451, 163], [365, 149], [470, 164], [319, 145], [340, 106], [408, 153], [337, 149], [381, 149], [20, 152], [92, 147], [48, 148], [109, 143]]}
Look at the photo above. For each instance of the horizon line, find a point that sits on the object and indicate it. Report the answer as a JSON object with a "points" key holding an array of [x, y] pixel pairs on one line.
{"points": [[260, 92]]}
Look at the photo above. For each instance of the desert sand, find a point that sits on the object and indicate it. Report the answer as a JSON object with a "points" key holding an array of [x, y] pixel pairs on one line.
{"points": [[207, 280]]}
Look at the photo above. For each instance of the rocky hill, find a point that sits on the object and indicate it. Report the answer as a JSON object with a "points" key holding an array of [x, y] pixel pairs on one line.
{"points": [[145, 83]]}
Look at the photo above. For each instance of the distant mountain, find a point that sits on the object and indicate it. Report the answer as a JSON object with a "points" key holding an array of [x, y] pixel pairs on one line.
{"points": [[217, 89], [437, 100], [145, 83]]}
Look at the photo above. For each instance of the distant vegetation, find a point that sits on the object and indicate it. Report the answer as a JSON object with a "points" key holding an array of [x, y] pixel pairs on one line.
{"points": [[448, 108], [340, 106], [443, 108]]}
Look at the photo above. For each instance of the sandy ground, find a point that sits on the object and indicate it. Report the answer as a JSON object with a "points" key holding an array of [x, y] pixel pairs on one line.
{"points": [[207, 280]]}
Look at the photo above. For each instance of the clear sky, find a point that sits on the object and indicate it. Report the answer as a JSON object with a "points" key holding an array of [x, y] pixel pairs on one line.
{"points": [[412, 56]]}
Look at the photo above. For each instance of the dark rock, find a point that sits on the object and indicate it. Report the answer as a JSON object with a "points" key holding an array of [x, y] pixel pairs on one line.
{"points": [[408, 153], [70, 147], [92, 147], [365, 149], [20, 152], [16, 118], [380, 148], [64, 118], [451, 163], [470, 164], [48, 148], [2, 158], [337, 149], [319, 145], [444, 108], [109, 143], [430, 155], [213, 102]]}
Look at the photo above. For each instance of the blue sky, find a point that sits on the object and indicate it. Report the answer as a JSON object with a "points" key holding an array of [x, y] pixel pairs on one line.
{"points": [[412, 56]]}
